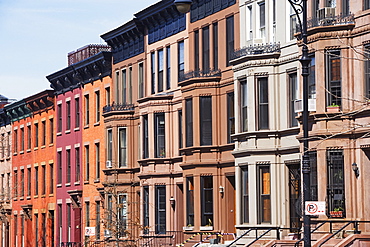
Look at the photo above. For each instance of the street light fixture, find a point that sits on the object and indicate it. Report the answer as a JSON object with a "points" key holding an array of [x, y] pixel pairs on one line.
{"points": [[299, 7]]}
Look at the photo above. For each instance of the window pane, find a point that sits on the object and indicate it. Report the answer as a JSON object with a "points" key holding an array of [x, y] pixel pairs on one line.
{"points": [[205, 120]]}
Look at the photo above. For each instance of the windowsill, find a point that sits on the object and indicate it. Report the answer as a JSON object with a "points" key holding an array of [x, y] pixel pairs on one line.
{"points": [[97, 181], [86, 182], [42, 147], [67, 184], [28, 150], [21, 198], [59, 185], [67, 131], [43, 196], [86, 126], [77, 183], [97, 124], [51, 144], [36, 148], [15, 153], [7, 158], [15, 199], [36, 197], [59, 133], [28, 197], [21, 152], [51, 195], [76, 129], [206, 228]]}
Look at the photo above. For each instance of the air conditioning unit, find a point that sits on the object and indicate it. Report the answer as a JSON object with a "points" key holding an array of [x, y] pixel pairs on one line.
{"points": [[298, 105], [107, 233], [108, 164], [325, 13]]}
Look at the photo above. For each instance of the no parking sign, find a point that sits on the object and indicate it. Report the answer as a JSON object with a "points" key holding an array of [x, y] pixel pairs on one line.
{"points": [[315, 208]]}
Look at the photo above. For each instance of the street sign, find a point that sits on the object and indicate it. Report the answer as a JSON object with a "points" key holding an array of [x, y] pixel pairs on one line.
{"points": [[89, 231], [315, 208]]}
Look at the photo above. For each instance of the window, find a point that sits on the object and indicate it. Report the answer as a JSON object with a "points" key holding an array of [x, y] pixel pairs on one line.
{"points": [[109, 145], [109, 210], [263, 103], [205, 49], [333, 75], [15, 141], [145, 137], [60, 222], [15, 217], [205, 110], [68, 113], [293, 93], [59, 160], [315, 7], [87, 214], [36, 230], [15, 180], [51, 130], [122, 215], [168, 65], [367, 70], [230, 117], [29, 182], [245, 198], [97, 161], [159, 135], [313, 175], [51, 178], [43, 186], [196, 50], [345, 7], [335, 187], [366, 4], [264, 194], [97, 220], [244, 105], [180, 60], [77, 112], [124, 87], [152, 69], [311, 78], [130, 85], [262, 19], [43, 139], [36, 134], [22, 140], [206, 190], [215, 45], [250, 26], [22, 183], [146, 209], [69, 221], [78, 165], [274, 19], [160, 67], [36, 181], [22, 230], [122, 147], [293, 23], [190, 201], [229, 39], [117, 86], [87, 111], [43, 229], [87, 162], [107, 96], [180, 129], [97, 106], [189, 122], [141, 80], [60, 118], [68, 177], [160, 209]]}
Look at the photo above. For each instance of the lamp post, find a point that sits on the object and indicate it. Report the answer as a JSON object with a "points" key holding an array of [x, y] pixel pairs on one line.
{"points": [[299, 7]]}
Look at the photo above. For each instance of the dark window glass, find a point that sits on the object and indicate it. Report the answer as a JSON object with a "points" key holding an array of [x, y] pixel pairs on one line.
{"points": [[230, 116], [367, 70], [313, 175], [29, 181], [205, 120], [97, 220], [36, 180], [77, 112], [78, 166], [145, 137], [168, 67], [97, 106], [97, 161], [141, 80], [263, 103], [293, 84], [129, 85], [312, 78], [146, 209], [160, 67], [229, 38], [60, 118], [160, 209], [152, 69], [87, 163], [366, 4], [206, 200], [68, 119], [244, 105], [215, 46], [335, 186], [22, 184], [51, 178], [345, 7], [159, 135], [190, 201], [43, 188], [68, 166], [87, 213], [51, 130], [181, 59], [109, 145], [122, 147], [124, 86], [29, 137], [87, 110], [122, 215], [196, 49], [43, 139], [22, 139], [180, 130], [59, 164], [245, 199], [36, 134], [189, 122], [205, 48], [334, 86], [264, 195]]}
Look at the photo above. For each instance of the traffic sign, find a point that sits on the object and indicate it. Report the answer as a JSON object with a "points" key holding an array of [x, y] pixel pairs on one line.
{"points": [[315, 208]]}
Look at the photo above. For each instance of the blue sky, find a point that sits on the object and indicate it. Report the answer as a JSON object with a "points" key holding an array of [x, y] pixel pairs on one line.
{"points": [[36, 36]]}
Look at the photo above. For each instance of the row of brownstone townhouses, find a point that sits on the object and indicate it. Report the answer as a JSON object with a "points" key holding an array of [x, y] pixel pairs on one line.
{"points": [[186, 130]]}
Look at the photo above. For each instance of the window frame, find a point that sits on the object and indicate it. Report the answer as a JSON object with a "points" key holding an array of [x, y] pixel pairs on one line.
{"points": [[263, 103]]}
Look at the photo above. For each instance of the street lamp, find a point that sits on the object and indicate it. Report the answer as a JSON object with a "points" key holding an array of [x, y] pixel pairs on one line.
{"points": [[299, 7]]}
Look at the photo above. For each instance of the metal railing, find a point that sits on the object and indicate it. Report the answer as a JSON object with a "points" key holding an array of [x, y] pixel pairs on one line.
{"points": [[70, 244], [329, 20], [256, 49], [152, 239], [199, 74], [118, 107]]}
